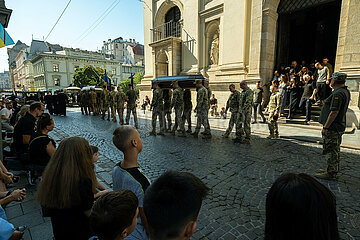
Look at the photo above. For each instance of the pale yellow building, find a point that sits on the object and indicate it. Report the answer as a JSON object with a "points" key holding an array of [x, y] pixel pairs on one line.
{"points": [[231, 40]]}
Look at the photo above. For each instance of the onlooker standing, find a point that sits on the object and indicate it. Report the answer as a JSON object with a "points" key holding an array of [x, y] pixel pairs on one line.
{"points": [[99, 186], [172, 205], [49, 101], [114, 215], [323, 76], [328, 65], [62, 100], [41, 147], [187, 109], [283, 91], [333, 119], [233, 104], [308, 96], [6, 114], [213, 106], [258, 102], [295, 95], [66, 191], [299, 207], [127, 175], [131, 105], [273, 109], [24, 129]]}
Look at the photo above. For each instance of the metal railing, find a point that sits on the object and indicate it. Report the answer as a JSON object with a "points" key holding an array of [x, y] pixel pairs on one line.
{"points": [[166, 30]]}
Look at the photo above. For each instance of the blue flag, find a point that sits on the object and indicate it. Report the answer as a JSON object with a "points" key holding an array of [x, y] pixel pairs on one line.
{"points": [[107, 82]]}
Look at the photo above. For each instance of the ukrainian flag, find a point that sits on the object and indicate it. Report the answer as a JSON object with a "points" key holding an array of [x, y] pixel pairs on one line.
{"points": [[5, 39], [107, 82]]}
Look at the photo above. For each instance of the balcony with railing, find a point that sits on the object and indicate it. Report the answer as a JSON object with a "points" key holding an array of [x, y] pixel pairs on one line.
{"points": [[166, 30]]}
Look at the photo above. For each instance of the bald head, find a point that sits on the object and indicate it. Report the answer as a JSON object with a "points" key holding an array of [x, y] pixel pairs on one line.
{"points": [[243, 84], [122, 137]]}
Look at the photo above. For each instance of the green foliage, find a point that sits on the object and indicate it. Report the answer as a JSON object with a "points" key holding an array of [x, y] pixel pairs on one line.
{"points": [[89, 76], [137, 80]]}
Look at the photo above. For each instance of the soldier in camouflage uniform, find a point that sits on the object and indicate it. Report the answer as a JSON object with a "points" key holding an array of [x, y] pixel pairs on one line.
{"points": [[93, 101], [131, 105], [245, 110], [333, 119], [233, 104], [202, 109], [177, 103], [206, 85], [157, 106], [86, 102], [167, 108], [105, 95], [187, 109], [99, 102], [120, 102], [81, 99], [113, 104], [273, 109]]}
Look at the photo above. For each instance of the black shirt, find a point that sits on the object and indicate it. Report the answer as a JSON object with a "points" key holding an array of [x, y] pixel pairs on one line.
{"points": [[72, 223], [309, 89], [213, 101], [25, 126], [37, 149]]}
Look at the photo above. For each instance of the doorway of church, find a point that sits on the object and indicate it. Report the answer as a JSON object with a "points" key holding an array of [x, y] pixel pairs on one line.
{"points": [[307, 31]]}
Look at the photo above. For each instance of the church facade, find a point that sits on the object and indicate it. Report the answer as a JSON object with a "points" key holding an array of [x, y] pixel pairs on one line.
{"points": [[228, 41]]}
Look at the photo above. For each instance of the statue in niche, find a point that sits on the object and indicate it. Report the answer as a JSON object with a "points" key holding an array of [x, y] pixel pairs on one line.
{"points": [[214, 50]]}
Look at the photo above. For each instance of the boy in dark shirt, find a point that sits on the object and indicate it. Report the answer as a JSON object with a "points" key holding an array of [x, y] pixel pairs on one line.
{"points": [[127, 175]]}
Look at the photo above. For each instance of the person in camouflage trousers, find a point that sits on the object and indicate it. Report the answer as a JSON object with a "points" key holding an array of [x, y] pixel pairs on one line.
{"points": [[187, 109], [273, 108], [131, 105], [202, 110], [245, 110], [167, 93], [106, 103], [177, 103], [81, 99], [333, 119], [99, 102], [157, 106], [113, 104], [233, 104], [86, 102], [120, 102], [93, 101]]}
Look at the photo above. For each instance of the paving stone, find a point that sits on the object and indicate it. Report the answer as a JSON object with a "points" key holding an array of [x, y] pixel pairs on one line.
{"points": [[42, 231], [13, 211]]}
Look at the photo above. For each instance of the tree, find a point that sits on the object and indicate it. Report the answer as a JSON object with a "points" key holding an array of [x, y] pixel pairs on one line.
{"points": [[89, 76], [137, 80]]}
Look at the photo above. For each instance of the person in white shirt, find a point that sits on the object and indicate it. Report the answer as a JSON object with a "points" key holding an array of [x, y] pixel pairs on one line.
{"points": [[6, 114]]}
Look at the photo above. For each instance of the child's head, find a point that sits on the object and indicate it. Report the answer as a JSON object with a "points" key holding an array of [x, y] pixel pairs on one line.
{"points": [[127, 138], [95, 151], [114, 215]]}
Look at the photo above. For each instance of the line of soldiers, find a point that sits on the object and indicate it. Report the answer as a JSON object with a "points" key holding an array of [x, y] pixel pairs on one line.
{"points": [[110, 102]]}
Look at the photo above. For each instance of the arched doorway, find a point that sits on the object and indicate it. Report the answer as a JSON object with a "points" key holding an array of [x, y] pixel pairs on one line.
{"points": [[307, 30], [162, 65]]}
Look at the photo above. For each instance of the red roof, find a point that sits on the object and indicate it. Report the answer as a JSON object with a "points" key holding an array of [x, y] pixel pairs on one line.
{"points": [[138, 49]]}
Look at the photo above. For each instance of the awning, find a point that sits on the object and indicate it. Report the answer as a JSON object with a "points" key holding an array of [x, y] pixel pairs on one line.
{"points": [[5, 39], [185, 81]]}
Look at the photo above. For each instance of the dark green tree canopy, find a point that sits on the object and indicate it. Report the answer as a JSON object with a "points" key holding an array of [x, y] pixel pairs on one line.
{"points": [[124, 84], [89, 76]]}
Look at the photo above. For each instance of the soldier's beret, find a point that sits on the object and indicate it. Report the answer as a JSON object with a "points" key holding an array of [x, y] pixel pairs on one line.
{"points": [[339, 77]]}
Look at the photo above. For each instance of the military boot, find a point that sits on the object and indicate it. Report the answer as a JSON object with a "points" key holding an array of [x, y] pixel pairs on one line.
{"points": [[326, 175], [189, 130], [246, 141], [226, 135], [237, 139], [195, 134], [270, 136], [152, 133], [182, 134], [207, 136]]}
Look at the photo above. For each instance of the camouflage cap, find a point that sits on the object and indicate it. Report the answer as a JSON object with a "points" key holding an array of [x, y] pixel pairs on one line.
{"points": [[339, 77]]}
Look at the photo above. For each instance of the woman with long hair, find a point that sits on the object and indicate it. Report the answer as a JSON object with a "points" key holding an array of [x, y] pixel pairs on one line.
{"points": [[41, 147], [299, 207], [66, 191]]}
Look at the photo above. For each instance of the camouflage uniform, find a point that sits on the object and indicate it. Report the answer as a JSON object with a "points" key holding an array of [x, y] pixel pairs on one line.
{"points": [[105, 95], [187, 109], [81, 99], [120, 102], [93, 102], [233, 104], [113, 104], [131, 106], [157, 106], [167, 108], [178, 104], [273, 109], [245, 109], [99, 102], [202, 108], [86, 102]]}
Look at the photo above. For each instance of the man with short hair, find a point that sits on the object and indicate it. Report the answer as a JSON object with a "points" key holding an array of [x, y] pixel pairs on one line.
{"points": [[202, 110], [6, 114], [245, 107], [273, 108], [172, 204], [113, 106], [131, 105], [120, 102], [157, 106], [258, 102], [114, 215], [333, 119], [127, 174], [177, 103], [233, 104], [25, 127], [213, 106], [187, 109], [323, 76]]}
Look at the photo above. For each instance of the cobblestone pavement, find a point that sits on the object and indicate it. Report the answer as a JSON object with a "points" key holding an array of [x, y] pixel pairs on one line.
{"points": [[238, 175]]}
